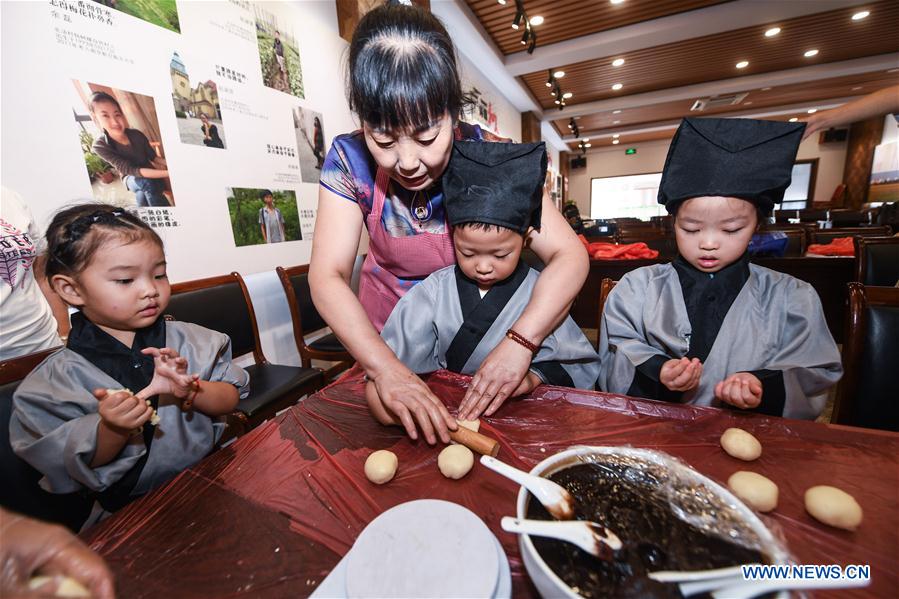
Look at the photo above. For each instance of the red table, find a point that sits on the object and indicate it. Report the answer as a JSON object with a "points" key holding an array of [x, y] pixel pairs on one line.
{"points": [[272, 514]]}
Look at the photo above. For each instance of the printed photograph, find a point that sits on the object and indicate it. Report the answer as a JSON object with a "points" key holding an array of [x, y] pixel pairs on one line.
{"points": [[310, 131], [122, 146], [261, 216], [158, 12], [279, 57], [885, 173], [197, 108]]}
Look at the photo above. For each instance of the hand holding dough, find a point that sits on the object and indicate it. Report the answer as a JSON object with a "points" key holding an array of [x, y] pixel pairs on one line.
{"points": [[741, 445], [833, 507], [381, 466], [754, 489], [455, 461]]}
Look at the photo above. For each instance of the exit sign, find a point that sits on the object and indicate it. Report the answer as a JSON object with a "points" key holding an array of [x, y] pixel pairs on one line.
{"points": [[630, 151]]}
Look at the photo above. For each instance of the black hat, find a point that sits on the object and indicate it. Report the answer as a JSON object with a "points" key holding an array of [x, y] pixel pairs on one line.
{"points": [[741, 158], [495, 183]]}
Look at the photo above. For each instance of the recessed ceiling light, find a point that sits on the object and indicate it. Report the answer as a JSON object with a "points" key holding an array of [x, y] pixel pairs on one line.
{"points": [[812, 110], [616, 112], [616, 1], [856, 88], [810, 53], [746, 103], [616, 135], [557, 101], [860, 15], [588, 145], [567, 95], [794, 119], [616, 141], [586, 139], [615, 122], [772, 32], [536, 20], [502, 1], [617, 62], [766, 89], [617, 86], [559, 74], [742, 64]]}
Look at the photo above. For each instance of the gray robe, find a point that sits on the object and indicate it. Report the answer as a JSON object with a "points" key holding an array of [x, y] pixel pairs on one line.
{"points": [[775, 323], [54, 421], [426, 331]]}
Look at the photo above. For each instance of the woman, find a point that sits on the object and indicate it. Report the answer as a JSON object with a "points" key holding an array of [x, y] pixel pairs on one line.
{"points": [[210, 133], [404, 85]]}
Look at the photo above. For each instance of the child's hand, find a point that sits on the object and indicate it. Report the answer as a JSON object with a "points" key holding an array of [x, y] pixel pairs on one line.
{"points": [[681, 374], [742, 390], [121, 410], [170, 374]]}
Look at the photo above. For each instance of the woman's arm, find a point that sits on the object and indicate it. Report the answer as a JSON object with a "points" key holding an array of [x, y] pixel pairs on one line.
{"points": [[334, 246], [566, 270], [153, 173], [879, 103]]}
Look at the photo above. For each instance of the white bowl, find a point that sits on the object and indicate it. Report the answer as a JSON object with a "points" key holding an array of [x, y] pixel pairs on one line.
{"points": [[550, 585]]}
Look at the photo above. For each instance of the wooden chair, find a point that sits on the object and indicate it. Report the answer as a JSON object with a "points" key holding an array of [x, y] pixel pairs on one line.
{"points": [[223, 304], [605, 288], [20, 490], [867, 394], [828, 235], [877, 260], [307, 320]]}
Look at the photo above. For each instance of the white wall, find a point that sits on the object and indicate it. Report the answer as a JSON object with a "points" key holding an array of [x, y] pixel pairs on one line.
{"points": [[650, 158], [507, 117]]}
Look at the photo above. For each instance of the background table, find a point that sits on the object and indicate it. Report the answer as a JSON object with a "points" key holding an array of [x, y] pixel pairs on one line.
{"points": [[272, 514]]}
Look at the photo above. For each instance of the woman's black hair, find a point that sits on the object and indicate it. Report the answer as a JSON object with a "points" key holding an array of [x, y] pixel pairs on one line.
{"points": [[102, 97], [77, 232], [402, 69]]}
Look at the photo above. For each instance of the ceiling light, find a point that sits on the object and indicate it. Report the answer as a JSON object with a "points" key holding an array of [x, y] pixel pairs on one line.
{"points": [[742, 64], [617, 86], [766, 89], [617, 62], [616, 135], [616, 112], [794, 119], [586, 139], [810, 53], [552, 92], [503, 2], [533, 44], [588, 145], [812, 110], [557, 101], [615, 122], [567, 95], [559, 74], [856, 88], [526, 36], [536, 20], [549, 79], [519, 15], [616, 1], [860, 15], [616, 141], [772, 32]]}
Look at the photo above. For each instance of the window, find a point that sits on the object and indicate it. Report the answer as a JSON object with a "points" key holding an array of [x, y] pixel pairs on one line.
{"points": [[630, 195]]}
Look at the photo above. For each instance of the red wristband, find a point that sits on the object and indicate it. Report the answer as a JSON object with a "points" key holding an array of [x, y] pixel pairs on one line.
{"points": [[520, 340], [189, 401]]}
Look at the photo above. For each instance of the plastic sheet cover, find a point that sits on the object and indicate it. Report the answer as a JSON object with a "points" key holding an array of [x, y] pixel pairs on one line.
{"points": [[272, 514]]}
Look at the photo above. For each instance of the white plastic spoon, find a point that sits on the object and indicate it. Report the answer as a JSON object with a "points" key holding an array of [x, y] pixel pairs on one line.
{"points": [[589, 536], [555, 498]]}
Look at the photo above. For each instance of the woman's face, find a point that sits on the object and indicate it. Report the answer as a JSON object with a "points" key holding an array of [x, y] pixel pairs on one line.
{"points": [[414, 159], [109, 117], [204, 118]]}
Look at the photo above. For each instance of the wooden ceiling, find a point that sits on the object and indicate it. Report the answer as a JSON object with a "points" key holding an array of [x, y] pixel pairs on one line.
{"points": [[570, 19], [705, 60], [834, 34]]}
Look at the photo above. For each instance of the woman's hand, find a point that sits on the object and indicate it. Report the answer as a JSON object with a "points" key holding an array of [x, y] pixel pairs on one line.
{"points": [[409, 400], [496, 380]]}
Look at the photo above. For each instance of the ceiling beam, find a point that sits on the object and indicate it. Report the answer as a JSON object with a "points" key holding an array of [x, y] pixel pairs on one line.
{"points": [[472, 40], [664, 30], [737, 84]]}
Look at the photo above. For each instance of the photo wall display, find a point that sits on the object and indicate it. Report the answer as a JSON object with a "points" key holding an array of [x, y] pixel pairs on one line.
{"points": [[170, 107]]}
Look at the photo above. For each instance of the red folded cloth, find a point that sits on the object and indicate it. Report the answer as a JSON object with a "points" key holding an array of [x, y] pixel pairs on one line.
{"points": [[599, 250], [840, 246]]}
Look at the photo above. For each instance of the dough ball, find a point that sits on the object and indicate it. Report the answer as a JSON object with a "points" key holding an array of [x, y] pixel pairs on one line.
{"points": [[68, 587], [472, 425], [755, 490], [381, 466], [741, 445], [455, 461], [833, 507]]}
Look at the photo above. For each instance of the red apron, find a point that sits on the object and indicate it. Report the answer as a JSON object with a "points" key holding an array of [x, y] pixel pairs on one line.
{"points": [[391, 259]]}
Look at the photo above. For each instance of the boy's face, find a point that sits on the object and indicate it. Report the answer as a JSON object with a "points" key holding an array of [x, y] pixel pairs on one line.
{"points": [[487, 256], [268, 200], [713, 231], [109, 117]]}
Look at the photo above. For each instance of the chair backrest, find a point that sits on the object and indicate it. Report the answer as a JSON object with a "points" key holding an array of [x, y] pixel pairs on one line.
{"points": [[605, 288], [20, 491], [222, 304], [868, 394], [306, 319], [877, 261], [828, 235]]}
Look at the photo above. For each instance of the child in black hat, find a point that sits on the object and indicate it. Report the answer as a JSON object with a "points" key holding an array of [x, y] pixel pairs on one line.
{"points": [[457, 315], [710, 328]]}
